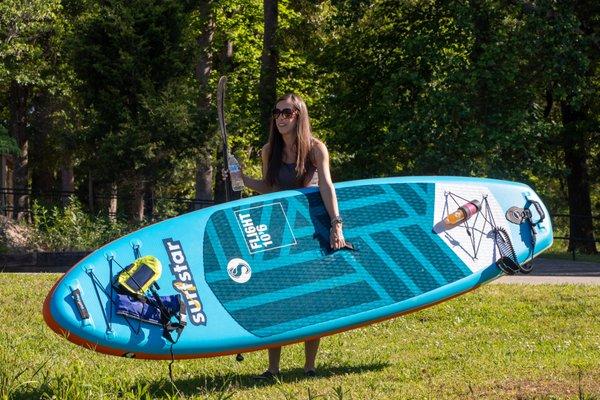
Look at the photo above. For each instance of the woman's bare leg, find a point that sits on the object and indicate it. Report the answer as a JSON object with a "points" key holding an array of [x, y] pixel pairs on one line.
{"points": [[310, 352], [274, 358]]}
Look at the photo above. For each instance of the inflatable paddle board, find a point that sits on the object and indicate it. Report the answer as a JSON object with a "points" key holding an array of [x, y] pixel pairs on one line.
{"points": [[258, 272]]}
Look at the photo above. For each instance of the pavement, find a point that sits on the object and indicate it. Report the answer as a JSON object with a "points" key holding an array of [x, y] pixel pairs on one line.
{"points": [[558, 272]]}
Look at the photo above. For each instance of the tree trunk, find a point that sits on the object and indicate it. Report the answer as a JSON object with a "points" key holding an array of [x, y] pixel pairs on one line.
{"points": [[3, 170], [67, 181], [267, 91], [481, 32], [4, 188], [220, 195], [136, 213], [149, 200], [7, 185], [42, 166], [112, 202], [203, 69], [91, 205], [204, 176], [205, 60], [227, 57], [17, 100], [576, 148]]}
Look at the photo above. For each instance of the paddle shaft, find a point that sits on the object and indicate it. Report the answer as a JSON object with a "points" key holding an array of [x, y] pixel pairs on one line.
{"points": [[223, 128]]}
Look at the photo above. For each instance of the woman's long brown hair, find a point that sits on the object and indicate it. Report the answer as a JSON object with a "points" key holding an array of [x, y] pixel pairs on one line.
{"points": [[304, 140]]}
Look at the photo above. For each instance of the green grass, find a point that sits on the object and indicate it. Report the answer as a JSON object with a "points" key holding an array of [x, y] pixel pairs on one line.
{"points": [[501, 341]]}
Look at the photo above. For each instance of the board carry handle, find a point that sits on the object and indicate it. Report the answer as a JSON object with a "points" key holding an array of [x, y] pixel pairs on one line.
{"points": [[349, 246], [540, 211], [78, 299]]}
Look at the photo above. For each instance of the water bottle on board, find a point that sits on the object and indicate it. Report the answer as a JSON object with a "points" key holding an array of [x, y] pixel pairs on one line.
{"points": [[235, 173], [463, 213]]}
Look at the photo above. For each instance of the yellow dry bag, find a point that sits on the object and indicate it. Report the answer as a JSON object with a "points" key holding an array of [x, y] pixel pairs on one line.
{"points": [[139, 276]]}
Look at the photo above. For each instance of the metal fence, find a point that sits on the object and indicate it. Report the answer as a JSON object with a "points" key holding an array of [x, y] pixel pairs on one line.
{"points": [[153, 205], [568, 238]]}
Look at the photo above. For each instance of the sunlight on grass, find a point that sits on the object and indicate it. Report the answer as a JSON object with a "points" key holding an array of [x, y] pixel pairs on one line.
{"points": [[501, 341]]}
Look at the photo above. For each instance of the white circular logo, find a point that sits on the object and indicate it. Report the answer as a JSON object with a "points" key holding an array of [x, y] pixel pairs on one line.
{"points": [[239, 271]]}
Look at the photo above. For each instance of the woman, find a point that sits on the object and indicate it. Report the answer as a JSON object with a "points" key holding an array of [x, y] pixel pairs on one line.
{"points": [[292, 159]]}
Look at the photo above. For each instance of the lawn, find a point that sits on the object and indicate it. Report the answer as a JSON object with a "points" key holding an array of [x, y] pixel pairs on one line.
{"points": [[500, 341]]}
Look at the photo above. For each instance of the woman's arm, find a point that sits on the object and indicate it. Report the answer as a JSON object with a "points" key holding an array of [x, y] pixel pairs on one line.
{"points": [[321, 156], [260, 185]]}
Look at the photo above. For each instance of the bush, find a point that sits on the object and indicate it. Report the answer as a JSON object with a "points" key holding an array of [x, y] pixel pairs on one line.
{"points": [[71, 228]]}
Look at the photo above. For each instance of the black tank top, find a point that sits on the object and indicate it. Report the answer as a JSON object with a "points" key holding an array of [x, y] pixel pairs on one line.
{"points": [[287, 179]]}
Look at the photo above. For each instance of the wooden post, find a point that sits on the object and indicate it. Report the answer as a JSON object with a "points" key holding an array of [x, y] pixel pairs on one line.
{"points": [[3, 187]]}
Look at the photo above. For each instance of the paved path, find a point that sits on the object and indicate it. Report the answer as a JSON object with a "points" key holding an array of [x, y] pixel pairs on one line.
{"points": [[553, 271]]}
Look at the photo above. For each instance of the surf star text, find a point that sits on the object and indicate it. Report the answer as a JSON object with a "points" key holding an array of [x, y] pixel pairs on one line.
{"points": [[184, 281]]}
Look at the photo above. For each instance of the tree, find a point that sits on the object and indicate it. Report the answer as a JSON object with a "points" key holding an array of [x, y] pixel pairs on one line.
{"points": [[563, 39], [204, 65], [267, 90], [133, 64], [29, 31], [8, 147], [433, 88], [469, 88]]}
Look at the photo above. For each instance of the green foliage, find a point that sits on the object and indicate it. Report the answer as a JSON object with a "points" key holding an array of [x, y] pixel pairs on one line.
{"points": [[393, 87], [134, 67], [24, 28], [241, 23], [7, 144], [422, 90], [71, 228]]}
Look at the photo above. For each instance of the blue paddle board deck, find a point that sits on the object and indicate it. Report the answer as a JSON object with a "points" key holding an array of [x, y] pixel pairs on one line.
{"points": [[259, 272]]}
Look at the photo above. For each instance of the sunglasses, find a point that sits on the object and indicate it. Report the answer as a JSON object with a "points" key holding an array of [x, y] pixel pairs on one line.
{"points": [[287, 113]]}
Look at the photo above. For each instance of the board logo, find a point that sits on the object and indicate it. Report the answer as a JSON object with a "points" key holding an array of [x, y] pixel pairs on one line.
{"points": [[239, 270], [184, 281], [265, 228]]}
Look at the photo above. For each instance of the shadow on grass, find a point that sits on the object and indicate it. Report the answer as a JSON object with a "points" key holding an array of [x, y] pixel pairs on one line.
{"points": [[215, 386], [204, 384]]}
